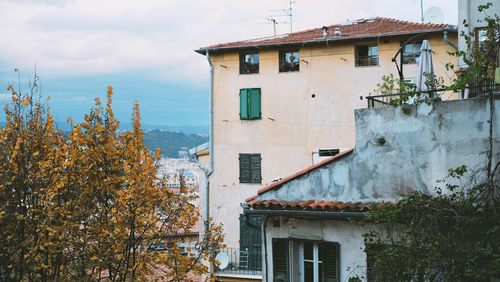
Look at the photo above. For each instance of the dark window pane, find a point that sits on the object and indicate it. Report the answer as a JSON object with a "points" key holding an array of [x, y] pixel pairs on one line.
{"points": [[308, 250], [411, 53], [289, 61], [308, 271], [249, 63], [366, 55]]}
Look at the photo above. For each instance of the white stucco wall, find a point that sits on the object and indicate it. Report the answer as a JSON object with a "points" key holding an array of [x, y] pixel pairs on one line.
{"points": [[419, 148], [294, 123], [349, 236]]}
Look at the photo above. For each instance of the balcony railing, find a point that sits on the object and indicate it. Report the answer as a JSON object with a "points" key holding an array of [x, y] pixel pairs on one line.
{"points": [[242, 261], [377, 101]]}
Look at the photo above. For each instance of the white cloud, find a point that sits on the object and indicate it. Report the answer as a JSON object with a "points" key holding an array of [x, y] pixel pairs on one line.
{"points": [[107, 36]]}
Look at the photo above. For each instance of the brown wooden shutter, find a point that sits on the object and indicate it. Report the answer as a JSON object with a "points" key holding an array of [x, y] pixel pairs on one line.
{"points": [[280, 260], [330, 261]]}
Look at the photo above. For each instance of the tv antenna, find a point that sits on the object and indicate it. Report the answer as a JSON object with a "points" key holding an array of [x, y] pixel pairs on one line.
{"points": [[290, 2], [272, 20]]}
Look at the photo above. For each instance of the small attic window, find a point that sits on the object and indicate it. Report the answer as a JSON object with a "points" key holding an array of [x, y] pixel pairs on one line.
{"points": [[249, 63], [328, 152]]}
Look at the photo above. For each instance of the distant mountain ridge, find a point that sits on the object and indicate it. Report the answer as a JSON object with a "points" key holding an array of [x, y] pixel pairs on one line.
{"points": [[170, 143], [169, 140]]}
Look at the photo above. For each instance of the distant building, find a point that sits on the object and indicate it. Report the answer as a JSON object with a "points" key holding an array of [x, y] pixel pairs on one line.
{"points": [[286, 102]]}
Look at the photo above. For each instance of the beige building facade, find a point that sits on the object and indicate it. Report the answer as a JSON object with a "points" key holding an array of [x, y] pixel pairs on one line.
{"points": [[306, 104]]}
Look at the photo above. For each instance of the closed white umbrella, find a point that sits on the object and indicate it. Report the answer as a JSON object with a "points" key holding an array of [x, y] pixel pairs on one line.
{"points": [[425, 67]]}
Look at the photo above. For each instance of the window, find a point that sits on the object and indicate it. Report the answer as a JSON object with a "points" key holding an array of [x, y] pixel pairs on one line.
{"points": [[289, 61], [366, 55], [249, 63], [305, 261], [250, 104], [250, 168], [250, 241], [411, 53], [328, 152]]}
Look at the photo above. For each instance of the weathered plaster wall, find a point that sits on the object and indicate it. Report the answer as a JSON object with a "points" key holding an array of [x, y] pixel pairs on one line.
{"points": [[350, 237], [293, 123], [399, 152]]}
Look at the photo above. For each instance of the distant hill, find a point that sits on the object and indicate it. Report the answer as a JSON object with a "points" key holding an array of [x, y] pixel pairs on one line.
{"points": [[171, 142]]}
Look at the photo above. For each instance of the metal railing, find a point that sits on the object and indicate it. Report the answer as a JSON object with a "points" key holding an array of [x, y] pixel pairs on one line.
{"points": [[242, 261], [377, 101]]}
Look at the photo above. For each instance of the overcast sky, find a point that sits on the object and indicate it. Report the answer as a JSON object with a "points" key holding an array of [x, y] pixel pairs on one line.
{"points": [[144, 49]]}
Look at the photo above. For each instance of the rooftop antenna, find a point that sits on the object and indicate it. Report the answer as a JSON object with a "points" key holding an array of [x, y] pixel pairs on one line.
{"points": [[272, 20], [290, 2], [422, 10]]}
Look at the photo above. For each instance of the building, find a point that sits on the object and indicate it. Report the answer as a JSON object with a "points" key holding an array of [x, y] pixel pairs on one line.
{"points": [[471, 22], [397, 151], [286, 102]]}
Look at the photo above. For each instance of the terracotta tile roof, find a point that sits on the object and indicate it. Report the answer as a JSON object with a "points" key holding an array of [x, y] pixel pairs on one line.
{"points": [[310, 205], [298, 174], [364, 28]]}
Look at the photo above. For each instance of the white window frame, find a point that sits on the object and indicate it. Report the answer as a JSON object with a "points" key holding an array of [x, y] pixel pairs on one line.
{"points": [[315, 261]]}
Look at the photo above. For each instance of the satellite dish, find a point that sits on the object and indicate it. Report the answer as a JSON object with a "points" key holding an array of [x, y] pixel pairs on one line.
{"points": [[433, 15], [223, 260]]}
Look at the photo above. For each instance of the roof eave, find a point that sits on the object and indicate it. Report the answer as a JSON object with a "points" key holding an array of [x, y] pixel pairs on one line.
{"points": [[203, 51], [307, 214]]}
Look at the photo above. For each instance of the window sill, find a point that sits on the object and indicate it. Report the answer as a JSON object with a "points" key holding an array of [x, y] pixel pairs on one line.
{"points": [[367, 66]]}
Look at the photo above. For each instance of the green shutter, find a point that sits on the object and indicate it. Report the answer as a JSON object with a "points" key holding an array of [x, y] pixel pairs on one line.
{"points": [[280, 260], [330, 259], [254, 104], [245, 175], [244, 97]]}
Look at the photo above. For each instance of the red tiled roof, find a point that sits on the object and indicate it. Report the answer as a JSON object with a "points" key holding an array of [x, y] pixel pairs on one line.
{"points": [[311, 205], [298, 174], [369, 28]]}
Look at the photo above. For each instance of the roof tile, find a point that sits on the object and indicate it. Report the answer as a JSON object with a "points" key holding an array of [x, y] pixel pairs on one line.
{"points": [[363, 28]]}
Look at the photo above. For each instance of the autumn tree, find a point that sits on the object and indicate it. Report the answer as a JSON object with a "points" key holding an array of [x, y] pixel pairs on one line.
{"points": [[89, 205]]}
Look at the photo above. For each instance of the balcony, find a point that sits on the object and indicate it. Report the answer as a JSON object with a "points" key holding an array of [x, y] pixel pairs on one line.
{"points": [[475, 90], [241, 262]]}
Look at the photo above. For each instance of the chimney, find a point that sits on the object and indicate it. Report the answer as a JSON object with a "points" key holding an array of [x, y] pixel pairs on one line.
{"points": [[337, 32], [325, 32]]}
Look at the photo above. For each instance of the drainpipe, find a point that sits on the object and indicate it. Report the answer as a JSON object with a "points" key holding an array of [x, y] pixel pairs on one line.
{"points": [[447, 40], [209, 170]]}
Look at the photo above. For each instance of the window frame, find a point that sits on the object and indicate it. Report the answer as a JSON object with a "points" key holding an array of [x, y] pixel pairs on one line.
{"points": [[251, 179], [248, 68], [282, 61], [414, 56], [368, 59], [296, 262]]}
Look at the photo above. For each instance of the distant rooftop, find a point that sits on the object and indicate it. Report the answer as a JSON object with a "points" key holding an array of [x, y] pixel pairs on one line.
{"points": [[359, 29]]}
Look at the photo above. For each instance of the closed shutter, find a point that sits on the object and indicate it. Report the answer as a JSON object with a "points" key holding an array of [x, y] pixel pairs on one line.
{"points": [[244, 97], [330, 260], [255, 168], [254, 104], [280, 260], [245, 172], [250, 168]]}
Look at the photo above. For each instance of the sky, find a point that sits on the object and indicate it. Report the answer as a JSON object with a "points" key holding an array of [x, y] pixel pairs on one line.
{"points": [[145, 49]]}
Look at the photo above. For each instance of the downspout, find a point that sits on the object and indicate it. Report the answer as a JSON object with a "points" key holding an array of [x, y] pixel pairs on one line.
{"points": [[447, 40], [209, 170]]}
